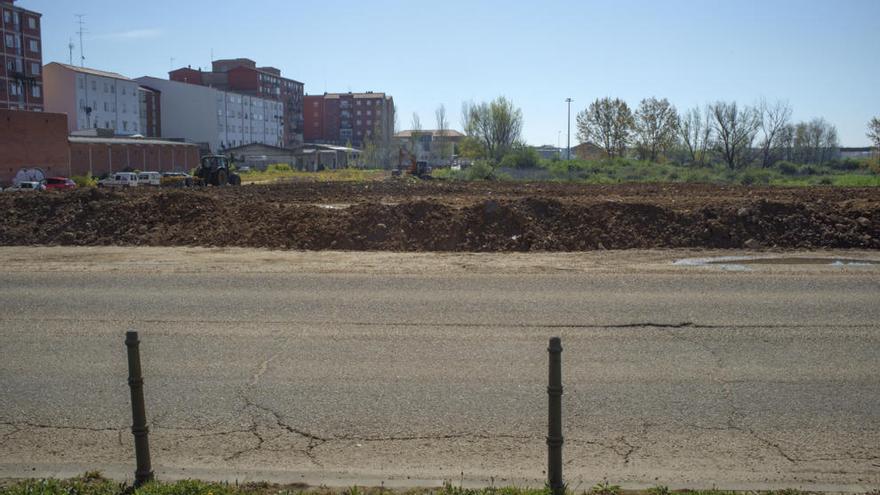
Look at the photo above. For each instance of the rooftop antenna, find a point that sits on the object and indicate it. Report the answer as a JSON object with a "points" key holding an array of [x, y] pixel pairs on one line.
{"points": [[81, 22], [70, 46]]}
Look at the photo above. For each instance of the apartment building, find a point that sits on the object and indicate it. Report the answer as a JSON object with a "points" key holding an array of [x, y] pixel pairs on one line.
{"points": [[348, 118], [219, 119], [92, 99], [150, 101], [21, 79], [241, 75]]}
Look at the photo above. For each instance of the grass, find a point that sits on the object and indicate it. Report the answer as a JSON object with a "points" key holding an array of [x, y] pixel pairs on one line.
{"points": [[282, 172], [852, 173], [92, 483]]}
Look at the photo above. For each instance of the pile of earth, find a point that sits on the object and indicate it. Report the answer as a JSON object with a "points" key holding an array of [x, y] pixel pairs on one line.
{"points": [[494, 218]]}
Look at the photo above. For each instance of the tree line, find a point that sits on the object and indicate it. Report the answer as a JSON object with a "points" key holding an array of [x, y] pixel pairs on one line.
{"points": [[727, 132]]}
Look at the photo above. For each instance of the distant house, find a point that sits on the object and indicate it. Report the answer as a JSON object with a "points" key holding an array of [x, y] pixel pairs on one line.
{"points": [[427, 144], [259, 156], [586, 151], [548, 152]]}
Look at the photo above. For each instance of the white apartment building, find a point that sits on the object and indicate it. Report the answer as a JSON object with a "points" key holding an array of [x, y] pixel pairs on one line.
{"points": [[92, 99], [222, 119]]}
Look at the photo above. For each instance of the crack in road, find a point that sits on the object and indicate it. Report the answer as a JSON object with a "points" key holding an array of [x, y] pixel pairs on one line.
{"points": [[418, 324], [28, 424]]}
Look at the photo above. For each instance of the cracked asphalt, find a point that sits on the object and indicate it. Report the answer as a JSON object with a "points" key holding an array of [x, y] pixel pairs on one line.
{"points": [[411, 369]]}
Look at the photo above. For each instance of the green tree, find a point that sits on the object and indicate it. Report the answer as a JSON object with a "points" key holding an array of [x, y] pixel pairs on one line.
{"points": [[608, 123], [497, 125], [656, 124], [874, 131]]}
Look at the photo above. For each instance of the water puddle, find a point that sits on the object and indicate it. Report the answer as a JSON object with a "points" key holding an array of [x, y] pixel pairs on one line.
{"points": [[744, 263]]}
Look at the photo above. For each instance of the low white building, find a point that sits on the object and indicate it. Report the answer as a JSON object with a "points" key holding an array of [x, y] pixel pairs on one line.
{"points": [[219, 118], [92, 99]]}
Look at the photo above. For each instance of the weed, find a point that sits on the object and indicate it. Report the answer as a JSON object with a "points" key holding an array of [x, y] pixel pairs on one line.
{"points": [[605, 488]]}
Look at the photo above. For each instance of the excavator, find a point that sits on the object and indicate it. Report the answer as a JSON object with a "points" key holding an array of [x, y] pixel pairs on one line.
{"points": [[408, 164]]}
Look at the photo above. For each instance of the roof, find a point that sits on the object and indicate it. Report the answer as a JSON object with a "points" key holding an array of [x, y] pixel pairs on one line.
{"points": [[93, 72], [129, 140], [433, 132], [367, 95], [261, 145]]}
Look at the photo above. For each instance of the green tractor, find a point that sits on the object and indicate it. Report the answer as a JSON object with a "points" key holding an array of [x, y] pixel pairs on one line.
{"points": [[215, 170]]}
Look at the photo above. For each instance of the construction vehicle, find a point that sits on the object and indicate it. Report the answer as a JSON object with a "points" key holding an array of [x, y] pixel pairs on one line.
{"points": [[214, 170], [407, 163]]}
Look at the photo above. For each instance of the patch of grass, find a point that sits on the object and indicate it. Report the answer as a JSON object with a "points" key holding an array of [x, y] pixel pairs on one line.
{"points": [[93, 483], [283, 172]]}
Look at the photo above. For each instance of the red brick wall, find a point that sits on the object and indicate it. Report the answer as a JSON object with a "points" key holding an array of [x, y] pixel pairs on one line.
{"points": [[186, 75], [106, 158], [32, 139], [314, 124], [244, 79]]}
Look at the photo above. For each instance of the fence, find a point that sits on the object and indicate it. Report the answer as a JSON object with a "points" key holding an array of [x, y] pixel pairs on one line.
{"points": [[144, 471]]}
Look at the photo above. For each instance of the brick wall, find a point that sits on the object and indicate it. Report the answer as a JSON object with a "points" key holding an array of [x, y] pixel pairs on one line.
{"points": [[32, 139]]}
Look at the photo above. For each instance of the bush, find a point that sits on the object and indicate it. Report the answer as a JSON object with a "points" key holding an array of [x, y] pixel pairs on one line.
{"points": [[279, 167], [85, 180], [480, 170], [787, 168], [521, 158], [755, 177], [846, 165]]}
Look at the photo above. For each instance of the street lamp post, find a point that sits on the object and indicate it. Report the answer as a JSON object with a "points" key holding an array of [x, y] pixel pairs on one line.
{"points": [[568, 139]]}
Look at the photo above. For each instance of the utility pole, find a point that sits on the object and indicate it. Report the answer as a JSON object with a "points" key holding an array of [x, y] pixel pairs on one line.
{"points": [[568, 153], [70, 46], [81, 22]]}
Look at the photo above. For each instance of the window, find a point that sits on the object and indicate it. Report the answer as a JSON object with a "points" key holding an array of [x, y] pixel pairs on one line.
{"points": [[32, 22], [369, 112], [106, 88], [35, 69], [7, 16], [124, 125], [358, 112], [316, 104], [124, 108], [106, 107], [123, 90], [14, 89], [34, 46], [36, 92], [10, 43], [94, 85], [82, 84], [113, 88], [106, 124]]}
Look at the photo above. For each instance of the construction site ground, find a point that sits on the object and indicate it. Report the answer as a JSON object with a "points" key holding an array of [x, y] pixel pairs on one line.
{"points": [[410, 215]]}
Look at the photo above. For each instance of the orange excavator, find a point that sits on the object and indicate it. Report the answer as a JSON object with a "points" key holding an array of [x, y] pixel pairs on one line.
{"points": [[408, 164]]}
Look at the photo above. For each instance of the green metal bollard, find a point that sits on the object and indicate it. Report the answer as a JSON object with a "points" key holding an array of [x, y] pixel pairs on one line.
{"points": [[139, 429], [554, 424]]}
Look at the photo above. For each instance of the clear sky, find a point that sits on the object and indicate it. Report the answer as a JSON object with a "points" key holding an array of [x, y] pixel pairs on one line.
{"points": [[820, 55]]}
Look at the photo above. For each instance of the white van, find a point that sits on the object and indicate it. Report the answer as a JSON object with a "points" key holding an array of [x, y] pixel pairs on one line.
{"points": [[120, 179], [150, 179]]}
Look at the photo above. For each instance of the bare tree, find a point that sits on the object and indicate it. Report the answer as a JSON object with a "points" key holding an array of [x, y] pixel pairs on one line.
{"points": [[440, 140], [608, 124], [773, 121], [415, 133], [695, 130], [735, 128], [656, 123], [874, 131], [815, 141]]}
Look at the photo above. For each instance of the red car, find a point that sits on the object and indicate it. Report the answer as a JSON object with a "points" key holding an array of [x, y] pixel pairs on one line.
{"points": [[58, 183]]}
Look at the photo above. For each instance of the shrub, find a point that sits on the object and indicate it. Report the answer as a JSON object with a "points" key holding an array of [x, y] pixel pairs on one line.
{"points": [[787, 168], [755, 176], [85, 180], [523, 157], [480, 170], [279, 167]]}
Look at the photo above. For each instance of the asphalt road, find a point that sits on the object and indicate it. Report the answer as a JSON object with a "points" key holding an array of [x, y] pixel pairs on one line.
{"points": [[412, 369]]}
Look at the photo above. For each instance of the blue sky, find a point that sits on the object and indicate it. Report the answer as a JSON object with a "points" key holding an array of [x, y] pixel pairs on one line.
{"points": [[821, 56]]}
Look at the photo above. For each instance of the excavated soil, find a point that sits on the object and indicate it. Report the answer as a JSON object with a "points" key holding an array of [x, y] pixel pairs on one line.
{"points": [[449, 216]]}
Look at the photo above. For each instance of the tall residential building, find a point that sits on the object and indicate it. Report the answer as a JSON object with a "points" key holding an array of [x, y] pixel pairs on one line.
{"points": [[21, 79], [348, 118], [219, 119], [92, 99], [241, 75]]}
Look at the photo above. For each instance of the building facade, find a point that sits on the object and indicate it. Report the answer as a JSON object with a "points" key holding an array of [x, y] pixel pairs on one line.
{"points": [[150, 101], [92, 99], [218, 119], [432, 146], [21, 78], [348, 118], [241, 75]]}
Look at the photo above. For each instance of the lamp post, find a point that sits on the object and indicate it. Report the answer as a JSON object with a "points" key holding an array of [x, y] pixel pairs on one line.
{"points": [[568, 139]]}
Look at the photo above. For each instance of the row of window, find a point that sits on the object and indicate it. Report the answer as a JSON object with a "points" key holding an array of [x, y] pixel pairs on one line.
{"points": [[108, 106], [241, 129], [14, 42], [109, 88], [15, 65], [14, 19], [16, 88], [111, 124]]}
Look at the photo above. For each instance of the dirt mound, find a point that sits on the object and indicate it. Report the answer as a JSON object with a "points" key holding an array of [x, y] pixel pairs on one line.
{"points": [[448, 217]]}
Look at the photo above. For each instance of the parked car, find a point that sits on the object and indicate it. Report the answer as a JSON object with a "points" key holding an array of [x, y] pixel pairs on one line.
{"points": [[26, 186], [120, 179], [150, 179], [58, 183]]}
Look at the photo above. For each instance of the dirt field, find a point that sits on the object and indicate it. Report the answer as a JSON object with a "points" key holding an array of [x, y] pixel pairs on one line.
{"points": [[450, 216]]}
